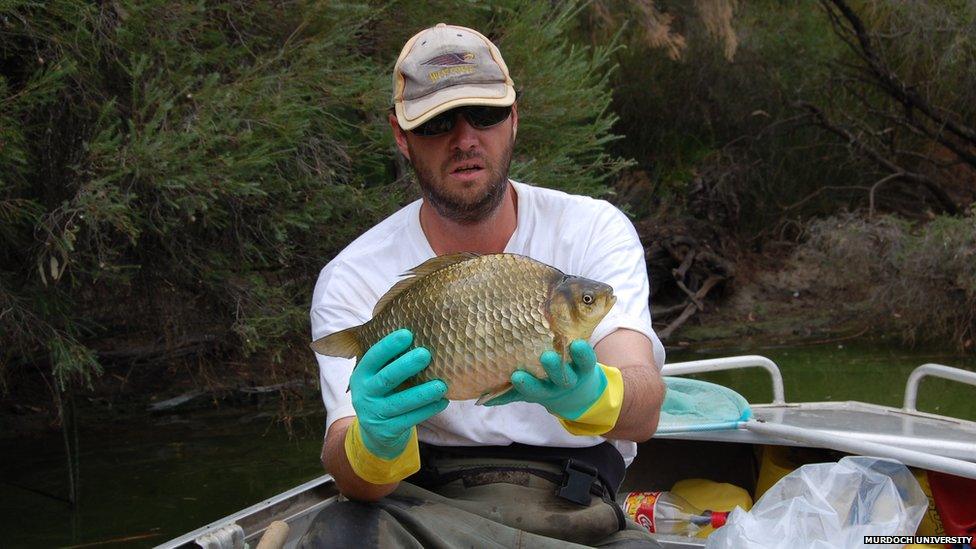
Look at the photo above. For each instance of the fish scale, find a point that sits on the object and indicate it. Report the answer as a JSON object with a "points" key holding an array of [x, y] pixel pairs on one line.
{"points": [[489, 316], [481, 317]]}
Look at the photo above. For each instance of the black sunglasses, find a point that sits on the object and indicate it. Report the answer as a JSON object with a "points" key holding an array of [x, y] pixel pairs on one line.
{"points": [[480, 118]]}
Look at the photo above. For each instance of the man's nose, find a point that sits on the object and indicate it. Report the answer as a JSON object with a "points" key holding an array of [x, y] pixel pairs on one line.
{"points": [[463, 136]]}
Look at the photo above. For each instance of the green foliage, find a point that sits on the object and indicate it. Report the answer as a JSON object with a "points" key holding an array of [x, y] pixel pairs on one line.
{"points": [[733, 129], [177, 169], [919, 280], [565, 108], [930, 45], [704, 121]]}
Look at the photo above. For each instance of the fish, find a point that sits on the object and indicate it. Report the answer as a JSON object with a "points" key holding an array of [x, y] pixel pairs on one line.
{"points": [[481, 316]]}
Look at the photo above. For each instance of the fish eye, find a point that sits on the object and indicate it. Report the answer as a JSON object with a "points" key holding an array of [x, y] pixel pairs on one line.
{"points": [[587, 298]]}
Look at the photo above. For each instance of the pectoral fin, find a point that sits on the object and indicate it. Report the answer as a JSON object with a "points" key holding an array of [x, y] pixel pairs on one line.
{"points": [[503, 395]]}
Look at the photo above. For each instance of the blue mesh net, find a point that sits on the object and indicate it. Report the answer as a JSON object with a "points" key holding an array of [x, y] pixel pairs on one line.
{"points": [[695, 405]]}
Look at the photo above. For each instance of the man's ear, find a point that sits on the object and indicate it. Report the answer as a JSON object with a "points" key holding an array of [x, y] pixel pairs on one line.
{"points": [[399, 135]]}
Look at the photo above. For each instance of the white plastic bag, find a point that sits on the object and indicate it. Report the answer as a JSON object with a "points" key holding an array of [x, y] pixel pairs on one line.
{"points": [[828, 505]]}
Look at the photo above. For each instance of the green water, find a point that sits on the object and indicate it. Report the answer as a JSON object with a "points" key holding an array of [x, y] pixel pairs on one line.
{"points": [[840, 371], [153, 478]]}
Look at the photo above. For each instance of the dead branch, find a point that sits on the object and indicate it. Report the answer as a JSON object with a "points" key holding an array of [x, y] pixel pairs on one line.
{"points": [[886, 79], [820, 191], [156, 352], [665, 312], [932, 186], [691, 295], [689, 310], [693, 306], [679, 273], [717, 263], [874, 189], [784, 121]]}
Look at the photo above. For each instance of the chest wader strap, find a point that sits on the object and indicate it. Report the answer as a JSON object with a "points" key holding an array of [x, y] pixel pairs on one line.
{"points": [[578, 479], [575, 480], [603, 458]]}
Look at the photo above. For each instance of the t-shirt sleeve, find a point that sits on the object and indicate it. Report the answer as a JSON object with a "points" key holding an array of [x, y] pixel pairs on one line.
{"points": [[615, 256], [335, 307]]}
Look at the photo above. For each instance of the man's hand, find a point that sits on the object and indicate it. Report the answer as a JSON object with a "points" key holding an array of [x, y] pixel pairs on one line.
{"points": [[381, 443], [585, 395]]}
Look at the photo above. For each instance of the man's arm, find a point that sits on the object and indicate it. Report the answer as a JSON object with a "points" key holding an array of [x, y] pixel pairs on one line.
{"points": [[336, 463], [590, 394], [370, 453], [631, 352]]}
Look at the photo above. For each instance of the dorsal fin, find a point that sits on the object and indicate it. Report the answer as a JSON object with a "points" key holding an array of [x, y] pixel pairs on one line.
{"points": [[420, 271]]}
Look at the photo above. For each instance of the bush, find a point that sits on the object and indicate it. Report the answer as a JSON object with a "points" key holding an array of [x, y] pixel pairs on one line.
{"points": [[919, 280], [177, 173], [702, 118]]}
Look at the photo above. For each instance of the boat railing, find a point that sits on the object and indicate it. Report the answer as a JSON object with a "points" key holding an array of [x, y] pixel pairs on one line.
{"points": [[933, 370], [731, 363], [232, 531]]}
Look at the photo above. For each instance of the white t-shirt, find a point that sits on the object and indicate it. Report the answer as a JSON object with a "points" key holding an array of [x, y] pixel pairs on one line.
{"points": [[578, 235]]}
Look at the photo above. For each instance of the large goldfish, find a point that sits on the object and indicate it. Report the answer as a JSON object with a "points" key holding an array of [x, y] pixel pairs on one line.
{"points": [[481, 317]]}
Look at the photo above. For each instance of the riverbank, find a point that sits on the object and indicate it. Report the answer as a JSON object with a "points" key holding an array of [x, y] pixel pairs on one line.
{"points": [[775, 302]]}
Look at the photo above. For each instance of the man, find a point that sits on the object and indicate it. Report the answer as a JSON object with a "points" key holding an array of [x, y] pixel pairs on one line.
{"points": [[542, 461]]}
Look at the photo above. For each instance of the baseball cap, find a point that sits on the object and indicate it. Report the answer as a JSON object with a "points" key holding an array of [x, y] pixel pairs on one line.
{"points": [[444, 67]]}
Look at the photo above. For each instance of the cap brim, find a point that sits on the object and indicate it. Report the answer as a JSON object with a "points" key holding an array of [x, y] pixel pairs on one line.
{"points": [[412, 113]]}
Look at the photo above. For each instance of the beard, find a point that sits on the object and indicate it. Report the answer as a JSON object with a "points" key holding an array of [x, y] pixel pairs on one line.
{"points": [[455, 205]]}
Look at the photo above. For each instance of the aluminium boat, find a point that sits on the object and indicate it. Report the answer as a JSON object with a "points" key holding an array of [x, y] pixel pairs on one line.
{"points": [[828, 430]]}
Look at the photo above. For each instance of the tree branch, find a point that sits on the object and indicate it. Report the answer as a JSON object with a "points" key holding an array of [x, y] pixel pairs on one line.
{"points": [[874, 188], [693, 306], [933, 187], [819, 191], [886, 78]]}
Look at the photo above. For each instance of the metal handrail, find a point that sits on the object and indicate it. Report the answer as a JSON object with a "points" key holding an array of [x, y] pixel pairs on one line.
{"points": [[854, 445], [229, 522], [933, 370], [731, 363]]}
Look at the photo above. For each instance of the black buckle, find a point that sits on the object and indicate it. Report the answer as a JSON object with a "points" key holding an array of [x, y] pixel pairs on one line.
{"points": [[578, 477]]}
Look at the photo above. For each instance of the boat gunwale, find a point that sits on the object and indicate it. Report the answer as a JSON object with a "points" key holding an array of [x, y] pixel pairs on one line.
{"points": [[255, 517]]}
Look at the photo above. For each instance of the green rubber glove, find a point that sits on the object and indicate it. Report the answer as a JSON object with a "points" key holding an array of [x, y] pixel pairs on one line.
{"points": [[571, 388], [387, 417]]}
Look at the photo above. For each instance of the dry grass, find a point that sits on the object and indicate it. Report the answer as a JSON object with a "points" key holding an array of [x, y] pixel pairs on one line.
{"points": [[918, 279]]}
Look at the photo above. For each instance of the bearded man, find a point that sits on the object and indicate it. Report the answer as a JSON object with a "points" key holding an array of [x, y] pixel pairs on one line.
{"points": [[416, 470]]}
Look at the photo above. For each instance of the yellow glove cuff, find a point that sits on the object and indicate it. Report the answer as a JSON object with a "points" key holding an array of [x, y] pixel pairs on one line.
{"points": [[602, 415], [375, 469]]}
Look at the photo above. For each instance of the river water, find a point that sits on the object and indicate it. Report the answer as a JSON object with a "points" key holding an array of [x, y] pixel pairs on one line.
{"points": [[148, 479]]}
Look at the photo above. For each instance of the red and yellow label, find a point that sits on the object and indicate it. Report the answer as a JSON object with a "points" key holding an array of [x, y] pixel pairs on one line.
{"points": [[639, 506]]}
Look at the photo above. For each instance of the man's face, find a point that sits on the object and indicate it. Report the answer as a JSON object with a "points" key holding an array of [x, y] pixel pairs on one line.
{"points": [[462, 173]]}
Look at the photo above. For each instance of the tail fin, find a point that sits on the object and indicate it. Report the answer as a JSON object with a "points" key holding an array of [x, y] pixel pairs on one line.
{"points": [[345, 344]]}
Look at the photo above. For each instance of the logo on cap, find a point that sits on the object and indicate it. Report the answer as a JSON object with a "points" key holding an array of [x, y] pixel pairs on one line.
{"points": [[450, 59], [457, 63]]}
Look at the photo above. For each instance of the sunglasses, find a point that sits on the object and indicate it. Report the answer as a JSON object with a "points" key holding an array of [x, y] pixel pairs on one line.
{"points": [[479, 117]]}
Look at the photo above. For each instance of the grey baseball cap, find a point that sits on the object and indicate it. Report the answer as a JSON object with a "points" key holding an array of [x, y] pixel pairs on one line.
{"points": [[444, 67]]}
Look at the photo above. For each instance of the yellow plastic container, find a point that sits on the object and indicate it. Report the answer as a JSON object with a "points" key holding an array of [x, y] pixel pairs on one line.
{"points": [[711, 495], [778, 461], [775, 464]]}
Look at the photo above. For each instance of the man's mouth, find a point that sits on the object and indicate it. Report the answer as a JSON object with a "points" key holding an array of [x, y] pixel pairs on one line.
{"points": [[467, 167]]}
